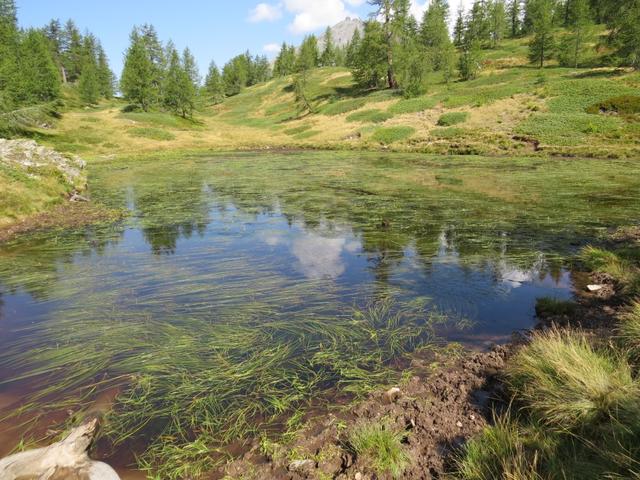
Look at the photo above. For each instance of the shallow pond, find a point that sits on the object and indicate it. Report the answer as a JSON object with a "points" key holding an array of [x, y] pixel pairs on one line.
{"points": [[245, 286]]}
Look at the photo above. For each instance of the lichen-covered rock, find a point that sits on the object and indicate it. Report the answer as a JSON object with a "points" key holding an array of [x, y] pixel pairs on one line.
{"points": [[35, 160]]}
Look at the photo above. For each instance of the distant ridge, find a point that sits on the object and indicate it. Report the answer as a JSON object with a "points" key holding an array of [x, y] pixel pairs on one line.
{"points": [[342, 32]]}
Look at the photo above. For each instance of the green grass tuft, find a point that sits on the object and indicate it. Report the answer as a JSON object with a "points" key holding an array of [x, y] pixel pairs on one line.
{"points": [[412, 105], [568, 385], [343, 106], [373, 116], [388, 135], [629, 332], [381, 445], [452, 118]]}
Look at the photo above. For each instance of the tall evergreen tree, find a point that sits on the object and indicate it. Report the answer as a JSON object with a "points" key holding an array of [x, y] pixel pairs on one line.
{"points": [[434, 31], [478, 25], [37, 78], [285, 61], [8, 52], [89, 84], [308, 55], [579, 23], [388, 11], [235, 75], [370, 62], [72, 51], [191, 67], [352, 49], [137, 83], [328, 56], [213, 87], [624, 22], [470, 61], [542, 45], [514, 10], [105, 75], [497, 21], [178, 90], [459, 28]]}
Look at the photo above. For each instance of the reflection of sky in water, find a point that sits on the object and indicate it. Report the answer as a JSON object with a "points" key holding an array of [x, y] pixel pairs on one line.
{"points": [[237, 259]]}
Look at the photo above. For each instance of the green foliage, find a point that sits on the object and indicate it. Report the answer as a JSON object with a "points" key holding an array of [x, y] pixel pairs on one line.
{"points": [[548, 306], [622, 265], [448, 133], [369, 65], [178, 88], [412, 105], [389, 135], [137, 82], [343, 106], [541, 47], [629, 332], [285, 63], [470, 62], [624, 21], [381, 446], [572, 48], [328, 58], [373, 116], [622, 105], [568, 385], [308, 56], [452, 118], [213, 87], [434, 33], [89, 84]]}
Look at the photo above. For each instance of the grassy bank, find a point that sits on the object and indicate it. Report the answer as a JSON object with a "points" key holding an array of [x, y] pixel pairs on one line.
{"points": [[574, 393]]}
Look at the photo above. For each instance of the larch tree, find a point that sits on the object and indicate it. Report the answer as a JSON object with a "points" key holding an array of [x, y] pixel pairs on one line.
{"points": [[328, 56], [624, 24], [308, 55], [497, 21], [137, 83], [178, 88], [580, 24], [37, 80], [514, 12], [369, 65], [434, 32], [89, 84], [213, 88], [8, 52], [541, 47], [459, 28]]}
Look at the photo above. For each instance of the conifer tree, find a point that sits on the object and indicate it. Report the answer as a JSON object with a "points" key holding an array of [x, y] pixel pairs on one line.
{"points": [[235, 75], [328, 56], [387, 10], [308, 54], [137, 75], [370, 64], [542, 45], [105, 75], [213, 87], [448, 65], [459, 28], [178, 89], [470, 61], [352, 49], [497, 21], [434, 32], [89, 84], [478, 23], [8, 52], [72, 51], [191, 67], [624, 22], [285, 62], [514, 12], [579, 23], [36, 79]]}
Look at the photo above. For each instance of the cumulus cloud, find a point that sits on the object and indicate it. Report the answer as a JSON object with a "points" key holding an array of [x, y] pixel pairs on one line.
{"points": [[310, 15], [271, 48], [265, 12], [319, 257]]}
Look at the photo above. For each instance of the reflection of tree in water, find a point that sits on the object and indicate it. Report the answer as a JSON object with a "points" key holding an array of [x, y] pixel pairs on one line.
{"points": [[177, 208], [36, 263]]}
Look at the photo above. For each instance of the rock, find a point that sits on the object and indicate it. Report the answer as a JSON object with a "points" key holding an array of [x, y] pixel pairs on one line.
{"points": [[358, 476], [67, 458], [392, 395], [594, 288], [76, 197], [459, 424], [302, 465]]}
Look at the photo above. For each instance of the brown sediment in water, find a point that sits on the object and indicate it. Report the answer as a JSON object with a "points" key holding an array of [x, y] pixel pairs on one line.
{"points": [[67, 215]]}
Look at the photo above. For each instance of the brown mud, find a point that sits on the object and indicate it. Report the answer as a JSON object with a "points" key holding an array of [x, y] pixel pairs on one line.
{"points": [[68, 215], [439, 411]]}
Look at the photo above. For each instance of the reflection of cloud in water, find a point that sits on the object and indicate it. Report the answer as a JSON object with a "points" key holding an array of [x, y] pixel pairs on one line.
{"points": [[320, 257], [514, 277]]}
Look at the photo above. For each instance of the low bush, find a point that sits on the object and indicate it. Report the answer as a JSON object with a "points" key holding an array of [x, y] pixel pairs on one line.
{"points": [[623, 105], [381, 445], [388, 135], [343, 106], [452, 118], [371, 116], [412, 105], [151, 133]]}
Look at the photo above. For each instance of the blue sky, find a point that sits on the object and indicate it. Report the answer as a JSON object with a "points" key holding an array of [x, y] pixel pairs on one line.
{"points": [[213, 30]]}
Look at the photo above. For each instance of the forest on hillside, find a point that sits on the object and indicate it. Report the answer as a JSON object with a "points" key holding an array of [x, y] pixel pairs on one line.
{"points": [[393, 51]]}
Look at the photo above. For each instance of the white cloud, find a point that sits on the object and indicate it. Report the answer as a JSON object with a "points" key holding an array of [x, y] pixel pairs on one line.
{"points": [[311, 15], [271, 48], [265, 12], [418, 8], [319, 257]]}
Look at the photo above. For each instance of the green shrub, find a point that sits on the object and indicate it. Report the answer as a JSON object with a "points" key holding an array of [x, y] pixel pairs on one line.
{"points": [[412, 105], [452, 118], [381, 445], [568, 385], [547, 306], [297, 130], [151, 133], [392, 134], [447, 133], [343, 106], [373, 116], [624, 105]]}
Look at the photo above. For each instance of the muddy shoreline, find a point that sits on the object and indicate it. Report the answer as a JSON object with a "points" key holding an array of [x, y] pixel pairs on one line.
{"points": [[439, 411]]}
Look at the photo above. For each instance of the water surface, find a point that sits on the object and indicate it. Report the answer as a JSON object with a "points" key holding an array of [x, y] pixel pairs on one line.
{"points": [[218, 244]]}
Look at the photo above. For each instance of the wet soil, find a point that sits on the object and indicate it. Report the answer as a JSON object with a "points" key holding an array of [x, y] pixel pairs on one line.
{"points": [[438, 411], [68, 215]]}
